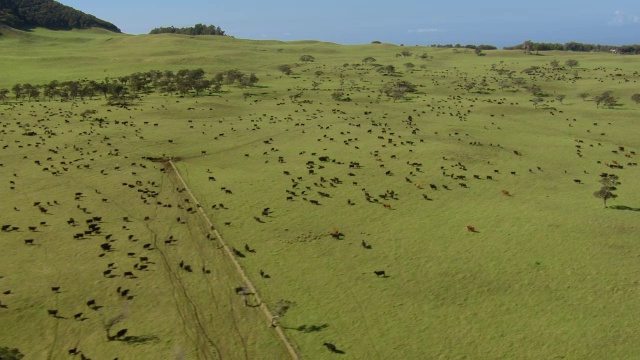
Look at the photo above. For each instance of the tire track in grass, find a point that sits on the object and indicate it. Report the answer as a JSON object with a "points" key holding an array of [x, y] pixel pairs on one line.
{"points": [[55, 334], [214, 298], [182, 312], [186, 307], [364, 320], [203, 340], [241, 272]]}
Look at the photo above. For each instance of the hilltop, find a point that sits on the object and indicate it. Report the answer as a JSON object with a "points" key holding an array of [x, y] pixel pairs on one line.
{"points": [[49, 14]]}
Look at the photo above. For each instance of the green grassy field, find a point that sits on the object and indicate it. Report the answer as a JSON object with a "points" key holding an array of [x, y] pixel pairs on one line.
{"points": [[548, 273]]}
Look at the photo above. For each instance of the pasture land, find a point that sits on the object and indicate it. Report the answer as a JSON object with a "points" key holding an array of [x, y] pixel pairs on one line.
{"points": [[547, 272]]}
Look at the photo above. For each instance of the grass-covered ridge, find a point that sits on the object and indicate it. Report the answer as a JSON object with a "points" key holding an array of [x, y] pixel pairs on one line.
{"points": [[301, 178], [49, 14]]}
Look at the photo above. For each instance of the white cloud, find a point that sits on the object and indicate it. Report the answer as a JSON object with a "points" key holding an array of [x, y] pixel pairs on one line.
{"points": [[420, 31], [621, 18]]}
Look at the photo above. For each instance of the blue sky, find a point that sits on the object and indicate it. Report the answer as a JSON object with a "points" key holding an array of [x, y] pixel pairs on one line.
{"points": [[410, 22]]}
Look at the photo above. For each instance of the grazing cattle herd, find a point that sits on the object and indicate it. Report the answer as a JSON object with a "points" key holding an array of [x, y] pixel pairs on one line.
{"points": [[93, 204]]}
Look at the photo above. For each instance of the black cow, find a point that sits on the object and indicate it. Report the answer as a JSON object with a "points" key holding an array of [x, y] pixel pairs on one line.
{"points": [[237, 252], [241, 290], [333, 348], [380, 273]]}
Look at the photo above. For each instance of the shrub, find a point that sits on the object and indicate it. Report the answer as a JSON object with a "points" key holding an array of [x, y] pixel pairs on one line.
{"points": [[10, 354]]}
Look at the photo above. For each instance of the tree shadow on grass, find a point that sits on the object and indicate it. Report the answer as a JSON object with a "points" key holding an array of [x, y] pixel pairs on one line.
{"points": [[309, 328], [623, 207], [136, 340]]}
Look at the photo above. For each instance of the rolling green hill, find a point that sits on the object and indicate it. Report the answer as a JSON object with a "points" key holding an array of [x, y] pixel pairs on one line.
{"points": [[49, 14]]}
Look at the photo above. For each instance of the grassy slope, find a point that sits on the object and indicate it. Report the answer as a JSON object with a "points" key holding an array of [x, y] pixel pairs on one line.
{"points": [[550, 273]]}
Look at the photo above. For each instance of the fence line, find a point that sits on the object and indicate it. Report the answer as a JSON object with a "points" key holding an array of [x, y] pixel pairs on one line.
{"points": [[245, 278]]}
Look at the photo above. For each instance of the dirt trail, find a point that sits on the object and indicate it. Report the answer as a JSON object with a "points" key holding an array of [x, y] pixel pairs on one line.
{"points": [[229, 253]]}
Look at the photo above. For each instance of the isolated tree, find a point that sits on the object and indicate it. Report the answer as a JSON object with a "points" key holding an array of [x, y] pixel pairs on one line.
{"points": [[307, 58], [504, 84], [405, 53], [535, 89], [286, 69], [87, 113], [315, 84], [584, 95], [294, 97], [318, 73], [518, 82], [340, 96], [469, 86], [554, 64], [609, 183], [368, 60], [560, 98], [397, 90], [423, 56], [572, 63], [409, 66], [478, 51], [635, 98], [537, 101]]}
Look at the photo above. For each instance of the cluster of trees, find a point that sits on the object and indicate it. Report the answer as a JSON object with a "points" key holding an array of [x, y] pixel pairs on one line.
{"points": [[628, 50], [22, 14], [398, 89], [605, 99], [470, 46], [123, 90], [198, 29], [530, 46]]}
